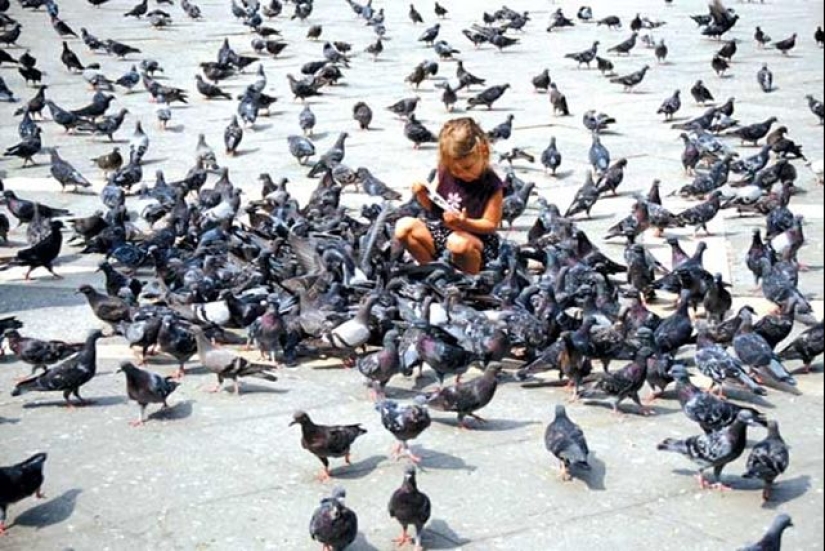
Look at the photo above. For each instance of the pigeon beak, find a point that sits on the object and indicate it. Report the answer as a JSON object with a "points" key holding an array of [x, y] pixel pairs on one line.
{"points": [[294, 422]]}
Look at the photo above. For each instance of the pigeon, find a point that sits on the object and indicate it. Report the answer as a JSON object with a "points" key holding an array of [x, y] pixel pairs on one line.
{"points": [[550, 157], [765, 79], [130, 79], [300, 148], [661, 51], [326, 441], [819, 36], [27, 148], [710, 412], [138, 10], [467, 79], [409, 506], [334, 524], [806, 347], [502, 131], [613, 177], [306, 120], [715, 363], [375, 187], [754, 132], [41, 254], [768, 459], [405, 423], [772, 540], [586, 56], [596, 121], [700, 215], [210, 91], [417, 133], [565, 440], [40, 353], [786, 45], [18, 482], [70, 59], [754, 351], [558, 101], [146, 388], [466, 398], [362, 113], [611, 22], [761, 38], [585, 198], [67, 376], [541, 82], [232, 136], [714, 450], [671, 105], [65, 173], [599, 156], [700, 93], [625, 47], [415, 15], [226, 364], [430, 35], [727, 51], [405, 107], [632, 80], [488, 97]]}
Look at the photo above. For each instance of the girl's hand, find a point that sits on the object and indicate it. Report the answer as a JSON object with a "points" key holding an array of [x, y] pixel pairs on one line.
{"points": [[421, 194], [455, 220]]}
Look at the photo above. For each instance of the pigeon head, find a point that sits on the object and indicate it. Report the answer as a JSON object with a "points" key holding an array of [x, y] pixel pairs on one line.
{"points": [[95, 334], [745, 416], [86, 289], [299, 418], [339, 493], [127, 367], [561, 411]]}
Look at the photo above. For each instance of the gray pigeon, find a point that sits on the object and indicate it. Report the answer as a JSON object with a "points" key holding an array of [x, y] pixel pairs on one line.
{"points": [[228, 365], [772, 540], [565, 440], [146, 388], [65, 173], [599, 156]]}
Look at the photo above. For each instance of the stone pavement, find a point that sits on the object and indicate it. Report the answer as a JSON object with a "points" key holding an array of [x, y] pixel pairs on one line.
{"points": [[220, 472]]}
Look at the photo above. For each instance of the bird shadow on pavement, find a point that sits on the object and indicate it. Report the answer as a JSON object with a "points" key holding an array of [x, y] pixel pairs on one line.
{"points": [[52, 512], [252, 388], [491, 425], [437, 460], [787, 490], [631, 410], [180, 410], [361, 544], [175, 128], [102, 401], [8, 421], [244, 152], [438, 535], [359, 469], [594, 478]]}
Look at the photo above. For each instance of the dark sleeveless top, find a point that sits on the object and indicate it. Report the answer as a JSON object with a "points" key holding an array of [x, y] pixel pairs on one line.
{"points": [[472, 196]]}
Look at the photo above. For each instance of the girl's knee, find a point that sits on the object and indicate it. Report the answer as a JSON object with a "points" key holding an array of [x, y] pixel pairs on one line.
{"points": [[462, 245], [405, 227]]}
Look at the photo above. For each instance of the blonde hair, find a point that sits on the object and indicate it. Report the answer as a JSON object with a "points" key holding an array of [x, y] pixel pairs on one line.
{"points": [[460, 139]]}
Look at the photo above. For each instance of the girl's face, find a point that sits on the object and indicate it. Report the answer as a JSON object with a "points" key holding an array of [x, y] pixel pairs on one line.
{"points": [[471, 167]]}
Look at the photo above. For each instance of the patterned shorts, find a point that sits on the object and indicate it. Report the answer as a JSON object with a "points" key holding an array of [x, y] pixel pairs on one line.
{"points": [[440, 234]]}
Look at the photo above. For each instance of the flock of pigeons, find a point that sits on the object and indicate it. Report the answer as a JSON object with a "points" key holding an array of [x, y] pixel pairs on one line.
{"points": [[189, 263]]}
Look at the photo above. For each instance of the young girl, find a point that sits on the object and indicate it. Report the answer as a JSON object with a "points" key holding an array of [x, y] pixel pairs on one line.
{"points": [[472, 189]]}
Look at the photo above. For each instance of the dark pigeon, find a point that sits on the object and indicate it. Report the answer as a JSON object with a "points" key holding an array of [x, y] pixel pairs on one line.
{"points": [[714, 450], [565, 440], [326, 441], [18, 482], [409, 506], [768, 459], [334, 524]]}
